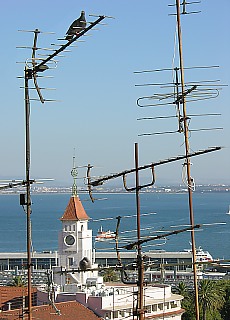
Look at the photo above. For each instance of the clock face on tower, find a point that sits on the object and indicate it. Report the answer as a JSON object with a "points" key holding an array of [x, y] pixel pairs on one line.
{"points": [[69, 240]]}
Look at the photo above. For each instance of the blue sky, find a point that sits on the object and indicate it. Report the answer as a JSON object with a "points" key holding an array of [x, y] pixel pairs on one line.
{"points": [[95, 84]]}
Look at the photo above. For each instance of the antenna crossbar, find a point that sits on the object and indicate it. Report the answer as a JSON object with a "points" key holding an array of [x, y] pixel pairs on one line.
{"points": [[101, 180]]}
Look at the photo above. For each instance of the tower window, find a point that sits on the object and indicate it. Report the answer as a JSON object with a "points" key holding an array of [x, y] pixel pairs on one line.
{"points": [[70, 261]]}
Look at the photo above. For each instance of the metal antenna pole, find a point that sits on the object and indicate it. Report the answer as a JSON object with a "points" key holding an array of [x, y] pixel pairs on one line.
{"points": [[140, 307], [187, 161], [28, 197], [30, 73]]}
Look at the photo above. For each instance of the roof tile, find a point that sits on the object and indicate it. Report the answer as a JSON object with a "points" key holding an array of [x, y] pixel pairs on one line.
{"points": [[71, 310]]}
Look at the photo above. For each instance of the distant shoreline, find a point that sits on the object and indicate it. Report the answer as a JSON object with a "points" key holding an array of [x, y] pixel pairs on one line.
{"points": [[161, 191]]}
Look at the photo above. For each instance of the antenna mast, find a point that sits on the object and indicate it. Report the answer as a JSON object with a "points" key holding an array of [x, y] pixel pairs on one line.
{"points": [[30, 72], [187, 160], [140, 299]]}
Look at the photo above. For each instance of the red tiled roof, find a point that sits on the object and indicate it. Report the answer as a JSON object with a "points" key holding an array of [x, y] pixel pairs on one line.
{"points": [[14, 296], [70, 310], [74, 210]]}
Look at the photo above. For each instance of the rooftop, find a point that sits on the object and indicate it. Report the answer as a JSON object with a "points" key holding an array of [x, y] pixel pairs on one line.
{"points": [[74, 210], [71, 310]]}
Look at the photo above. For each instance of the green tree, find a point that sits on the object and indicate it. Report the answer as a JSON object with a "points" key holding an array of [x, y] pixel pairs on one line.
{"points": [[182, 289], [225, 311], [17, 281], [211, 298], [187, 302], [110, 275]]}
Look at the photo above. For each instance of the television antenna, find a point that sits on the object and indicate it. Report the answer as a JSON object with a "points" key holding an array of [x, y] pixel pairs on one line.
{"points": [[178, 93], [33, 68]]}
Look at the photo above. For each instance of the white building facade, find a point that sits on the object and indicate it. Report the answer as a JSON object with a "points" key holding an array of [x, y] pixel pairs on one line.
{"points": [[74, 246], [120, 301]]}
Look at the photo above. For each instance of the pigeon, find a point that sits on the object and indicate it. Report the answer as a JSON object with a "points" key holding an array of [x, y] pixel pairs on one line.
{"points": [[76, 27], [85, 264]]}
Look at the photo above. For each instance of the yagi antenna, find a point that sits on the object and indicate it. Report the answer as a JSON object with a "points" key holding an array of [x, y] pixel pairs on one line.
{"points": [[32, 72], [183, 5], [172, 93], [171, 98], [179, 94], [97, 182], [36, 65], [8, 184]]}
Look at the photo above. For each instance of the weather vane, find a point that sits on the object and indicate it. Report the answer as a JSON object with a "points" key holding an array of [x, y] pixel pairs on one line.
{"points": [[74, 174]]}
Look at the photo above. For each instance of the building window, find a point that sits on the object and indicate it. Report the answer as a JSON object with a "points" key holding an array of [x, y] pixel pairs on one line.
{"points": [[107, 315], [167, 305], [154, 308], [129, 312], [15, 263], [148, 309], [160, 306], [122, 313], [173, 304], [3, 264], [70, 261]]}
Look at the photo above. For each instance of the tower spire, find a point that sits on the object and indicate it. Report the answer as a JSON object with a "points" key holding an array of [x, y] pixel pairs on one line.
{"points": [[74, 174]]}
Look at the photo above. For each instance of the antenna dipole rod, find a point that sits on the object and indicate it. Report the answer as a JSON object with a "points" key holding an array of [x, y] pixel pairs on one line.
{"points": [[62, 48], [187, 159]]}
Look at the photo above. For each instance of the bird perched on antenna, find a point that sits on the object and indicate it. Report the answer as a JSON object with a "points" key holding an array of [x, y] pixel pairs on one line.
{"points": [[85, 264], [76, 27]]}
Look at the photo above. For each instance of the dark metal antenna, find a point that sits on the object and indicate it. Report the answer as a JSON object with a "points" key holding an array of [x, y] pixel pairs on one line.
{"points": [[30, 73], [27, 76], [187, 160], [63, 47], [140, 265], [97, 182]]}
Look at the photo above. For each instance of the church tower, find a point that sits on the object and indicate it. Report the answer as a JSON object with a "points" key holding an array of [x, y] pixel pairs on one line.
{"points": [[75, 241]]}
